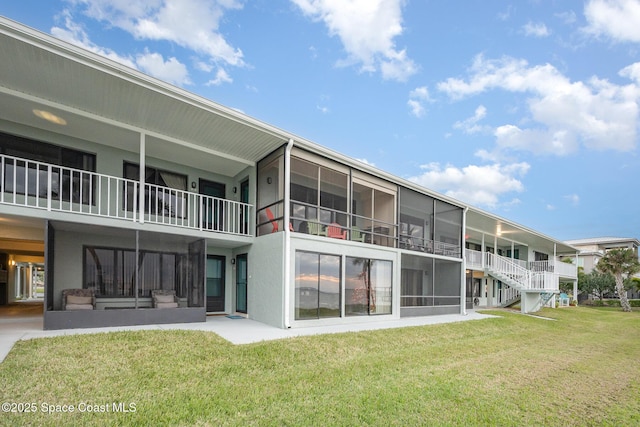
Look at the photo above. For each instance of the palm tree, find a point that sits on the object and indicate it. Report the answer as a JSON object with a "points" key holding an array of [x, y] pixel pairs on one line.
{"points": [[620, 262]]}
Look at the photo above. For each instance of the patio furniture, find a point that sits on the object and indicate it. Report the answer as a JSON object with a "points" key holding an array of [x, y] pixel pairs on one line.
{"points": [[162, 298], [357, 235], [315, 229], [274, 224], [78, 299], [335, 231]]}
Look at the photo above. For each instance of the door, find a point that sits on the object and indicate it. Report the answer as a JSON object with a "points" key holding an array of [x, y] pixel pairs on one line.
{"points": [[244, 198], [241, 283], [212, 209], [215, 283]]}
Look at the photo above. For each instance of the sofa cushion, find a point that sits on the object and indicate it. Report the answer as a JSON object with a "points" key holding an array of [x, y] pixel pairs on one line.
{"points": [[167, 305], [78, 307], [164, 298], [74, 299]]}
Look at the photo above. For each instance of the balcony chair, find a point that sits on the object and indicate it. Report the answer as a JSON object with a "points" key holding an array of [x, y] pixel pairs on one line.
{"points": [[315, 229], [162, 298], [271, 217], [78, 299], [357, 235], [335, 230]]}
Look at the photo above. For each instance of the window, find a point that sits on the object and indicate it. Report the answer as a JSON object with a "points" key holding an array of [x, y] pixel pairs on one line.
{"points": [[270, 195], [31, 175], [164, 191], [447, 229], [112, 272], [373, 211], [368, 284], [317, 285], [416, 221], [429, 282], [318, 196]]}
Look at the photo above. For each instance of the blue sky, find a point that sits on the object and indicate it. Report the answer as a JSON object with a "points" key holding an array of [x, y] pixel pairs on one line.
{"points": [[526, 109]]}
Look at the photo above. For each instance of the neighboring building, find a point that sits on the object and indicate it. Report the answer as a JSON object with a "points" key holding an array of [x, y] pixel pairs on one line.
{"points": [[591, 250], [119, 184]]}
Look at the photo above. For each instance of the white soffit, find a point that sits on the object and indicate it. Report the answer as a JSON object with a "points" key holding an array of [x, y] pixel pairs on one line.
{"points": [[43, 70]]}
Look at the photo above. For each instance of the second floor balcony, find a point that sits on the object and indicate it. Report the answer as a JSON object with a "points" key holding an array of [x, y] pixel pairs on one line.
{"points": [[38, 185], [477, 260]]}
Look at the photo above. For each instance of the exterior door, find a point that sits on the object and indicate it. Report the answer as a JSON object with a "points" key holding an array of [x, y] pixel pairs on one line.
{"points": [[244, 198], [215, 283], [212, 209], [241, 283]]}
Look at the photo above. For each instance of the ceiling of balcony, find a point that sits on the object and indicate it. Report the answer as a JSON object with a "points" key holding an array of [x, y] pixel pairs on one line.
{"points": [[492, 226], [108, 103]]}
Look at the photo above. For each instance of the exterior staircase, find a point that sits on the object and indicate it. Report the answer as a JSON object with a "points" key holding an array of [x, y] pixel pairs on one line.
{"points": [[537, 287]]}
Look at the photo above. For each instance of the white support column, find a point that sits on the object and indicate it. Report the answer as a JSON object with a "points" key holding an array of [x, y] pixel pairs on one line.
{"points": [[483, 248], [287, 234], [575, 291], [142, 169], [463, 287]]}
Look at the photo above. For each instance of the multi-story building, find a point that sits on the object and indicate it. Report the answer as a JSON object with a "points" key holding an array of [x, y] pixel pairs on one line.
{"points": [[592, 249], [119, 184]]}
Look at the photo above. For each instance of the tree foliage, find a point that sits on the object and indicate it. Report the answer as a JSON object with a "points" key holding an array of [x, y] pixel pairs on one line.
{"points": [[622, 264], [596, 283]]}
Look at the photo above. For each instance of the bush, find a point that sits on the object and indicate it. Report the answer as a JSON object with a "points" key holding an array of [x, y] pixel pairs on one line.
{"points": [[610, 303]]}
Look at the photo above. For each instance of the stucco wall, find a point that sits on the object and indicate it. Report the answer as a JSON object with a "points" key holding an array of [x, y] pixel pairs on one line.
{"points": [[265, 281]]}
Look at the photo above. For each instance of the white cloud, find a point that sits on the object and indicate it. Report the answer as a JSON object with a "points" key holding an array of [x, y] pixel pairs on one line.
{"points": [[551, 207], [596, 113], [367, 29], [470, 125], [504, 16], [417, 98], [618, 20], [568, 17], [536, 30], [75, 34], [221, 77], [477, 185], [367, 162], [632, 72], [574, 199], [192, 24], [171, 70]]}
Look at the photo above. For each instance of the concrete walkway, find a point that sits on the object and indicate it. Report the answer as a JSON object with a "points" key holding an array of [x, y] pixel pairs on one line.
{"points": [[236, 331]]}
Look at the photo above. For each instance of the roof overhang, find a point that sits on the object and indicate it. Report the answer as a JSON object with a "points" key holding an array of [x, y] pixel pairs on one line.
{"points": [[108, 103], [506, 232]]}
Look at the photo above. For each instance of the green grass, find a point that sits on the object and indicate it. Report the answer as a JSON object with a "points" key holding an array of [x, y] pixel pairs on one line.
{"points": [[514, 370]]}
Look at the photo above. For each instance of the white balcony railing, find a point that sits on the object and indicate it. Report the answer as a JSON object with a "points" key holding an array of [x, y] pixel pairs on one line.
{"points": [[40, 185], [544, 281], [514, 272], [561, 268], [473, 259], [509, 269]]}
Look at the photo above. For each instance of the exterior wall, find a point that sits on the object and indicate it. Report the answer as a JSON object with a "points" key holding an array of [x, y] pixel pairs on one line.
{"points": [[530, 302], [109, 160], [590, 263], [265, 280], [304, 242]]}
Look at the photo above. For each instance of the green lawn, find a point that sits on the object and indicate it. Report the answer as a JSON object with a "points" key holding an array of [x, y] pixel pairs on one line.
{"points": [[581, 369]]}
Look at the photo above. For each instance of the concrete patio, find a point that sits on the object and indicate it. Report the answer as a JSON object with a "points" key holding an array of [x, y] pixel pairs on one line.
{"points": [[24, 321]]}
